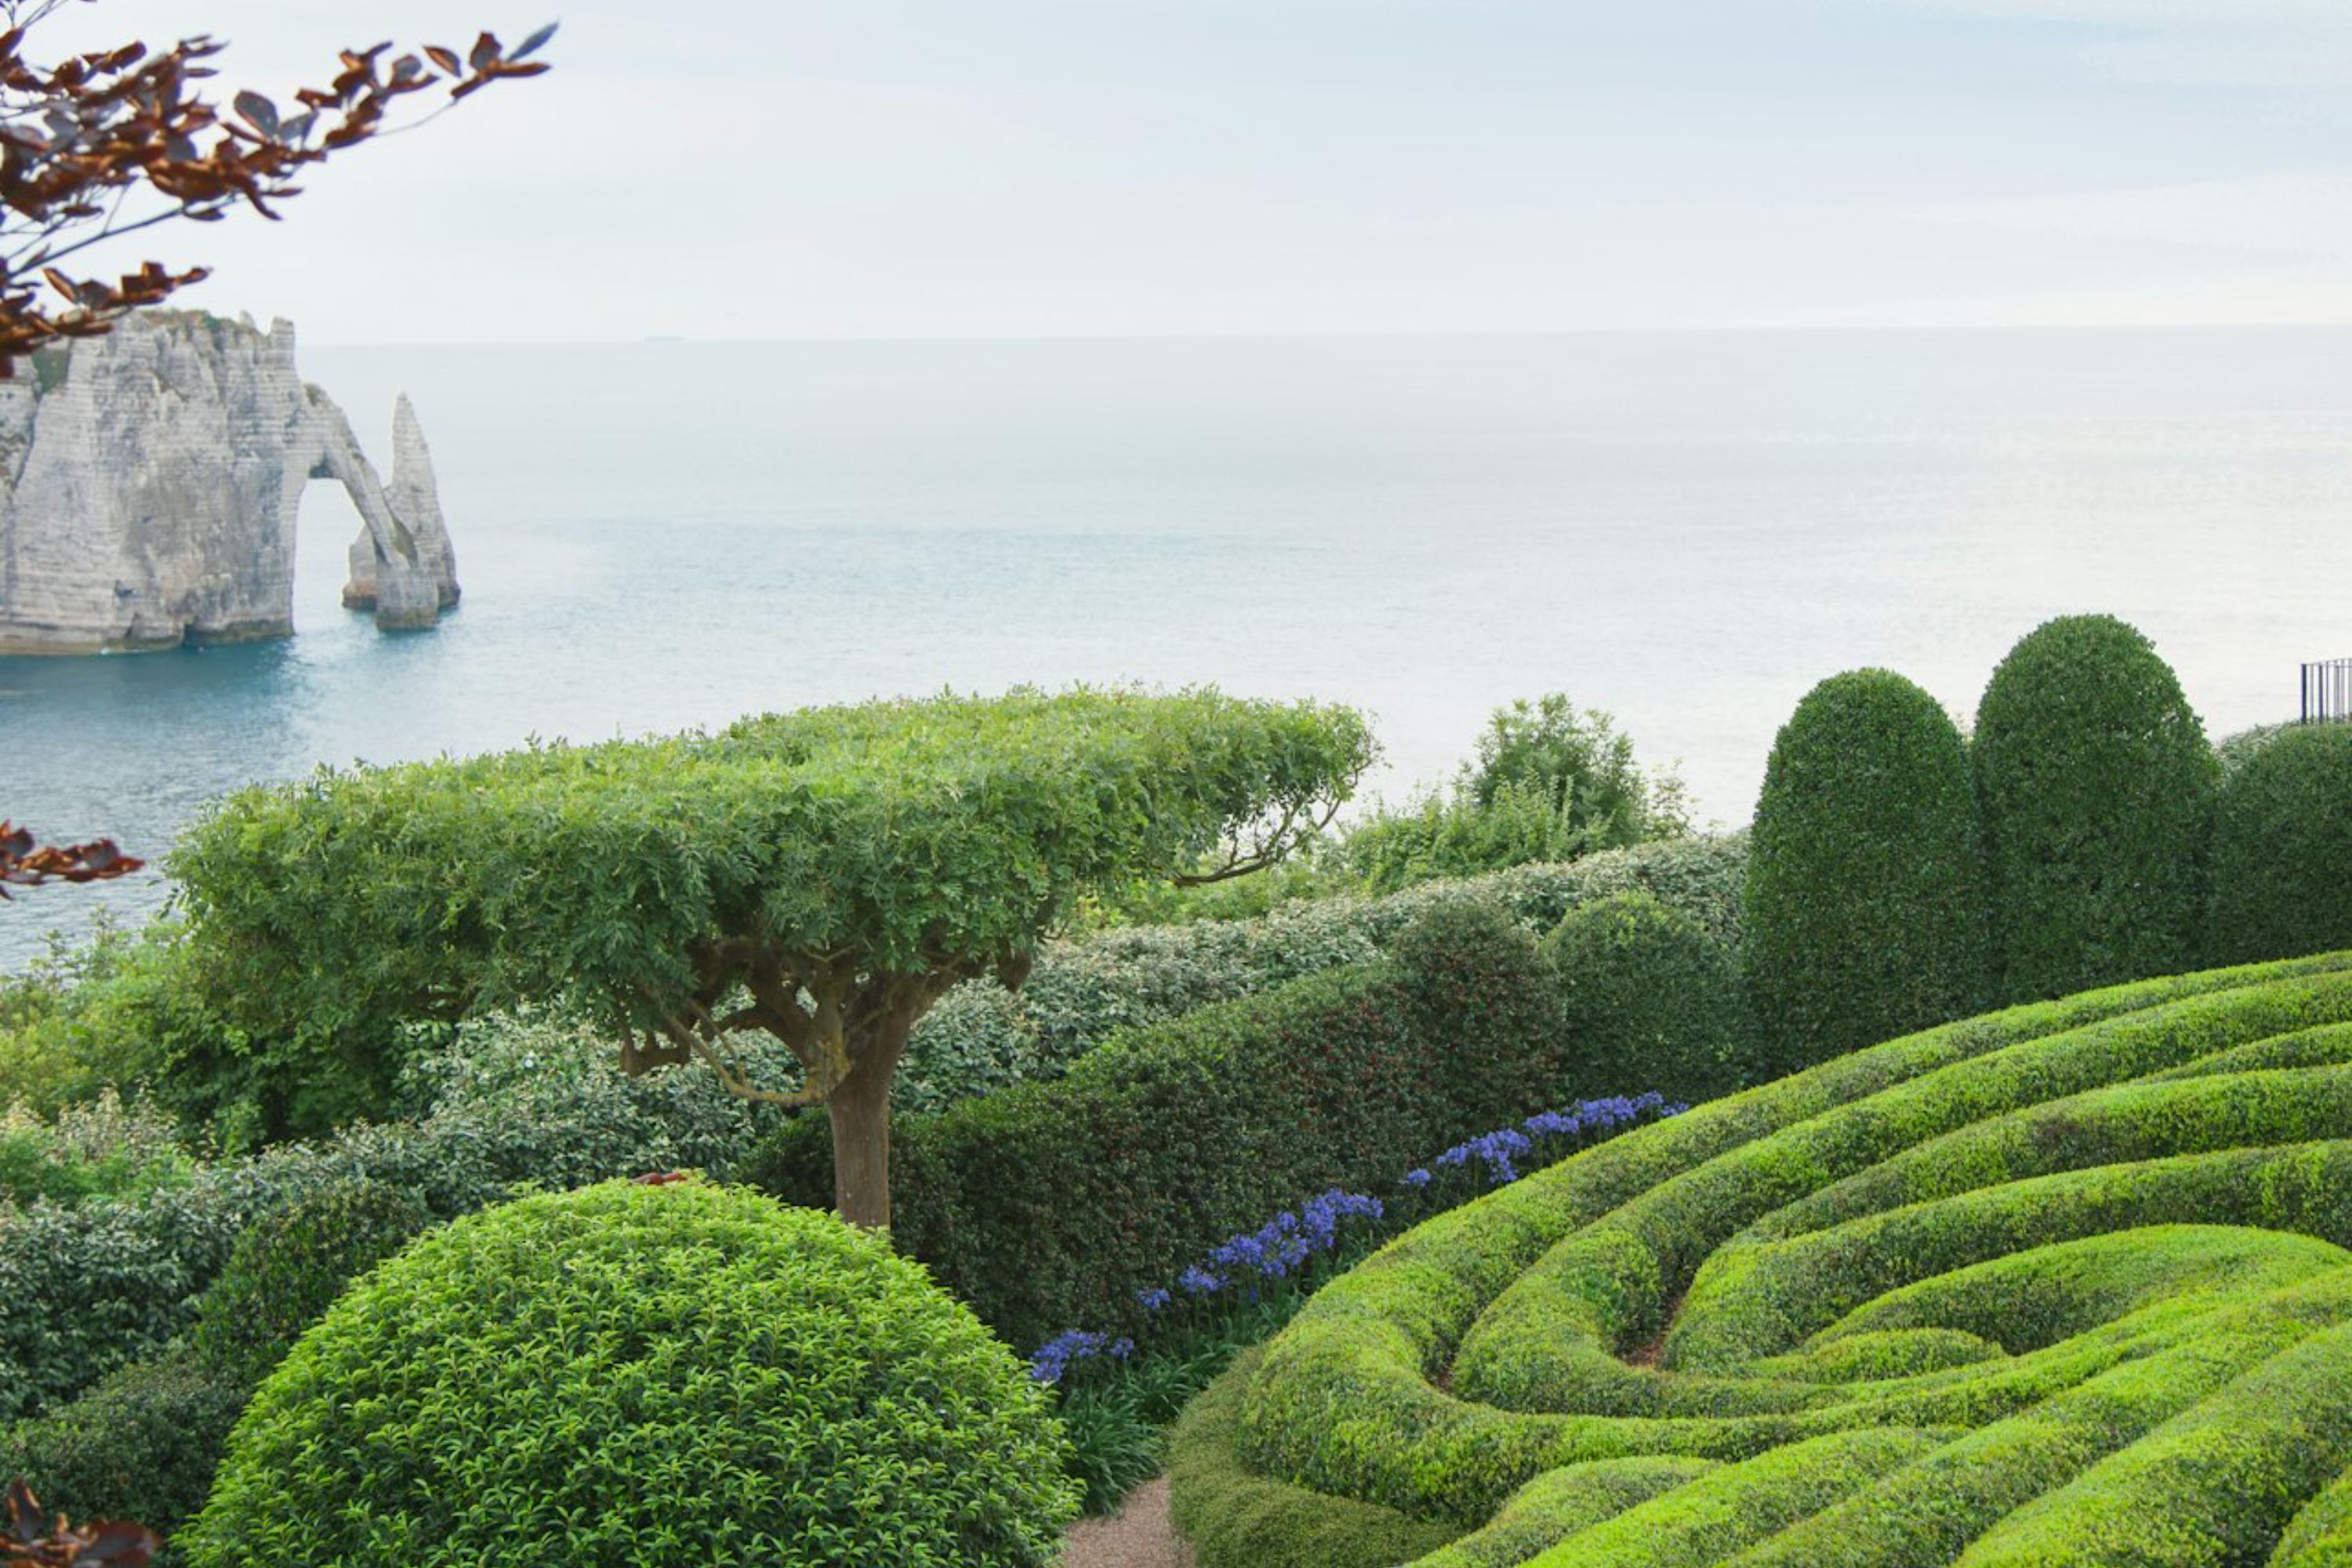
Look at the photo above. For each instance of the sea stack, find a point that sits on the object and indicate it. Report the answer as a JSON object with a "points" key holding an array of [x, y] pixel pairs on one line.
{"points": [[153, 481]]}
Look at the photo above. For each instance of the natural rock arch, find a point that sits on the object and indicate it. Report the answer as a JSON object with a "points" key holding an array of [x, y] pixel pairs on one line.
{"points": [[153, 481]]}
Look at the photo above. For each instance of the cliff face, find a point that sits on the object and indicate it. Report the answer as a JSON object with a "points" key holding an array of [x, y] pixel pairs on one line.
{"points": [[153, 481]]}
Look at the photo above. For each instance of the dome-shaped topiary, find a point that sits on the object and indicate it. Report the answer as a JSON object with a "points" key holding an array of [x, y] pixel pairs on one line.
{"points": [[2097, 786], [1649, 996], [1866, 899], [637, 1376], [2283, 850]]}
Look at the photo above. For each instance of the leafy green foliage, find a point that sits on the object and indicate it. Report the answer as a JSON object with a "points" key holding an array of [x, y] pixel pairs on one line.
{"points": [[760, 1383], [1648, 994], [140, 1445], [291, 1265], [982, 1037], [105, 1149], [2282, 848], [1549, 784], [86, 1290], [1053, 1204], [2096, 787], [2063, 1284], [1866, 915], [916, 835]]}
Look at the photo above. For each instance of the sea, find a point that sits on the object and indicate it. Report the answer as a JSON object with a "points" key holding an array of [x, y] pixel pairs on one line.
{"points": [[1686, 530]]}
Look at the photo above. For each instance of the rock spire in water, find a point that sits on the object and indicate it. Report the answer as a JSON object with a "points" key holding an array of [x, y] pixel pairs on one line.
{"points": [[153, 478]]}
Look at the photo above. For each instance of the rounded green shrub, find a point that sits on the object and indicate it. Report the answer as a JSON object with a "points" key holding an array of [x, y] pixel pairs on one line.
{"points": [[638, 1375], [2068, 1284], [2097, 787], [1865, 910], [1648, 997], [289, 1265], [2283, 850]]}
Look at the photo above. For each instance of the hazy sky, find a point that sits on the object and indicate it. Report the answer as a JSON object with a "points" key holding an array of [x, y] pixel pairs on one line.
{"points": [[777, 168]]}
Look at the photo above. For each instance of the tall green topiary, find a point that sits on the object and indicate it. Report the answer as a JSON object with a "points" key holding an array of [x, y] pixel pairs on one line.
{"points": [[1866, 898], [2097, 789], [1649, 997], [636, 1376], [2283, 850]]}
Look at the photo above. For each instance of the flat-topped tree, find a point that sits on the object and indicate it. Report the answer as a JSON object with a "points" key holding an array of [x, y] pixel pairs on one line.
{"points": [[822, 876]]}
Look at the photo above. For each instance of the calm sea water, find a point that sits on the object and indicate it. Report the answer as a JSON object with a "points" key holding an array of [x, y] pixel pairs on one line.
{"points": [[1686, 530]]}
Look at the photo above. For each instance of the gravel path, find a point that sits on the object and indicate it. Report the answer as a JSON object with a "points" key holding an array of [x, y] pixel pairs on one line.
{"points": [[1138, 1536]]}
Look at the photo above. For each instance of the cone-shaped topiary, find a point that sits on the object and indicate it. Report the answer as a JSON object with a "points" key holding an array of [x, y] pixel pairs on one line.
{"points": [[1648, 995], [2097, 788], [636, 1376], [2282, 850], [1865, 902]]}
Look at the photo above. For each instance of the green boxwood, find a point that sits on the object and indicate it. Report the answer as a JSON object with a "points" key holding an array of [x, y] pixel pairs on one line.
{"points": [[2067, 1283], [1866, 898], [1648, 996], [638, 1375], [2282, 848], [2097, 789]]}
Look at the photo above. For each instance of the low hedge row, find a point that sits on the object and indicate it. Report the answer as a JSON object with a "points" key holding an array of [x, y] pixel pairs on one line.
{"points": [[1968, 1235], [1052, 1205]]}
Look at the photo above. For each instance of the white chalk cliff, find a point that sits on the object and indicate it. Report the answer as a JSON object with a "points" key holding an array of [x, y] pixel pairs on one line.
{"points": [[153, 478]]}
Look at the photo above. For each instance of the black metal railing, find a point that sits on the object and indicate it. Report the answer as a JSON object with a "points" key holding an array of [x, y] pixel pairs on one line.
{"points": [[2327, 691]]}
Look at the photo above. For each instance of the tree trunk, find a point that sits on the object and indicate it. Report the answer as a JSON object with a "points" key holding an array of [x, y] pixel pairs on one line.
{"points": [[860, 1112]]}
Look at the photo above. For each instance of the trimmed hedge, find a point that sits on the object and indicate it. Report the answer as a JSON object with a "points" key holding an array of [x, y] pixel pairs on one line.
{"points": [[639, 1375], [1865, 898], [2097, 789], [2067, 1283], [981, 1038], [1647, 996], [2283, 850], [1237, 1520], [1051, 1204]]}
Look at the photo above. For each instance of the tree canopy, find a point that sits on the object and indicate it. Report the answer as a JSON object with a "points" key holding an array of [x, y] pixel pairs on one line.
{"points": [[820, 877]]}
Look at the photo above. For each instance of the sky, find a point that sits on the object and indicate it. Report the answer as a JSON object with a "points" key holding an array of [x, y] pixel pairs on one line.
{"points": [[721, 169]]}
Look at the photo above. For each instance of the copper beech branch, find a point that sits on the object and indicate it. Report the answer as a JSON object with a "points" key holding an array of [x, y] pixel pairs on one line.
{"points": [[79, 137], [26, 863]]}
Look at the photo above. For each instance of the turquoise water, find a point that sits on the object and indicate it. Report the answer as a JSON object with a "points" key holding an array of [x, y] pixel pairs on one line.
{"points": [[1687, 530]]}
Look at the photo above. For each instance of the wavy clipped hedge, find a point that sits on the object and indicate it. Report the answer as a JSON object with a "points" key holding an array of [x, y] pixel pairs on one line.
{"points": [[2096, 785], [642, 1375], [1866, 915], [2065, 1284]]}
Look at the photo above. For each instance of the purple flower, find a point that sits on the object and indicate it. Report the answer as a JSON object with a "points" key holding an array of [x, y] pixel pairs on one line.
{"points": [[1152, 1300], [1198, 1280], [1416, 1179]]}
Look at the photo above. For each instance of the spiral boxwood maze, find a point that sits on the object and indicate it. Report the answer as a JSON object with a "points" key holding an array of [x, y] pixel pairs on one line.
{"points": [[2063, 1284]]}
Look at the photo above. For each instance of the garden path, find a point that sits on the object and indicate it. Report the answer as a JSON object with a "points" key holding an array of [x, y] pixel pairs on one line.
{"points": [[1138, 1536]]}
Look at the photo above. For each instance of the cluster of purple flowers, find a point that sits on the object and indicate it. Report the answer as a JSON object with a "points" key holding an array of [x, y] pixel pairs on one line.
{"points": [[1055, 1356], [1274, 1250], [1500, 1150], [1284, 1243]]}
